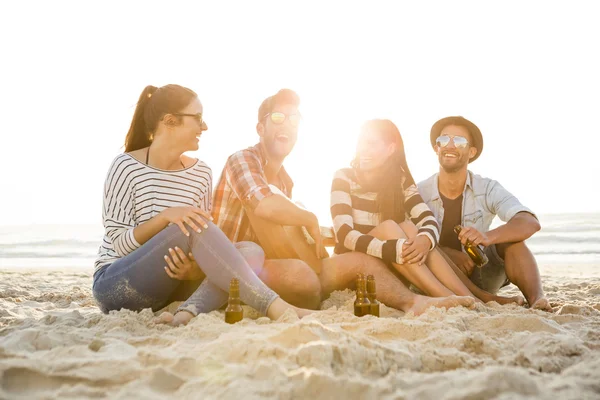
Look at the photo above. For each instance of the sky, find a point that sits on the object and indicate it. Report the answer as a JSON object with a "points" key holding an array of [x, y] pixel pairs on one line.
{"points": [[525, 72]]}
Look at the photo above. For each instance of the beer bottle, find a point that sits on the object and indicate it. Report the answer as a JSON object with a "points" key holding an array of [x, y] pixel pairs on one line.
{"points": [[234, 312], [475, 252], [361, 304], [372, 296]]}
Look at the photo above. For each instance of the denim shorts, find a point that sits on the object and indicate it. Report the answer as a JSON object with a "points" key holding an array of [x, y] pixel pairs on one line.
{"points": [[492, 276]]}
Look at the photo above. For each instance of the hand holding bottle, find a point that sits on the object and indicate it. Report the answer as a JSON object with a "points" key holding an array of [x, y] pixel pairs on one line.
{"points": [[472, 235]]}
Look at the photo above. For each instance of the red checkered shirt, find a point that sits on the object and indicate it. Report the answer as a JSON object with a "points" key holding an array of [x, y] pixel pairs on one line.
{"points": [[243, 184]]}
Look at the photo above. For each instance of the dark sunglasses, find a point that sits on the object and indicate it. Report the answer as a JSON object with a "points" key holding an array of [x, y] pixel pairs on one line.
{"points": [[459, 141], [197, 117], [279, 117]]}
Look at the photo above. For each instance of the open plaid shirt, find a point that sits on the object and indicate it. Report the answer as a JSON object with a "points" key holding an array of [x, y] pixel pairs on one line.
{"points": [[243, 184]]}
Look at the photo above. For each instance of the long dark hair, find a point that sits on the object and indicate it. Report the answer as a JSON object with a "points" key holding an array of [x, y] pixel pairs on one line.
{"points": [[154, 103], [392, 176]]}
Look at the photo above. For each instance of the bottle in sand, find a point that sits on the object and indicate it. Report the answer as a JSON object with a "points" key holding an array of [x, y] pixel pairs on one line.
{"points": [[372, 296], [475, 252], [361, 304], [234, 312]]}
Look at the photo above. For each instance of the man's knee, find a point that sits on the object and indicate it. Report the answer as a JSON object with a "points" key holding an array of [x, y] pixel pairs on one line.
{"points": [[306, 281], [503, 248], [295, 282]]}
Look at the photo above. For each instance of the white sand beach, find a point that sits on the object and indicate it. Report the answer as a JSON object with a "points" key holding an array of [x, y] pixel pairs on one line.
{"points": [[55, 343]]}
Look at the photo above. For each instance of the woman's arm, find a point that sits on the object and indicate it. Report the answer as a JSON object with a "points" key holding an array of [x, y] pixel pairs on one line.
{"points": [[343, 225], [421, 215]]}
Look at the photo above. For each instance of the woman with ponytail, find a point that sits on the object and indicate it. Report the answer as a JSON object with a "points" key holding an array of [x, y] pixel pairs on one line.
{"points": [[377, 210], [160, 245]]}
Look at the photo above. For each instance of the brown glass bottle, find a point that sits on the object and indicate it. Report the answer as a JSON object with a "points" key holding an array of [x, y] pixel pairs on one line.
{"points": [[372, 296], [234, 312], [362, 306], [475, 252]]}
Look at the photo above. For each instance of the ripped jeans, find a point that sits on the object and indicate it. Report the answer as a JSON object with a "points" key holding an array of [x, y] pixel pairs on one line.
{"points": [[139, 281]]}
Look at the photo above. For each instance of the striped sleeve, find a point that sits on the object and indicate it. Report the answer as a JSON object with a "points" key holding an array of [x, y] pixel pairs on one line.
{"points": [[345, 232], [421, 215], [117, 207]]}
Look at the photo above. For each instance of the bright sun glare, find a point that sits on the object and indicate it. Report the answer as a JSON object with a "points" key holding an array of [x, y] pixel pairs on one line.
{"points": [[529, 80]]}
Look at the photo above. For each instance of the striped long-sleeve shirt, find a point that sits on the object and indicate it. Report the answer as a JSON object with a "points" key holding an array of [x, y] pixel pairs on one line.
{"points": [[135, 192], [355, 213]]}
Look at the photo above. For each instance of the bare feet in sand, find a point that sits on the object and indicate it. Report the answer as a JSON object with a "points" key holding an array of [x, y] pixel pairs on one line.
{"points": [[276, 310], [279, 307], [542, 304], [519, 300], [180, 318], [422, 303]]}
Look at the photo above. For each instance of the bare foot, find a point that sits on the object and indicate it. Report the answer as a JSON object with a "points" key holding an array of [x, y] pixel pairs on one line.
{"points": [[303, 312], [164, 318], [422, 303], [519, 300], [542, 304], [279, 307], [180, 318]]}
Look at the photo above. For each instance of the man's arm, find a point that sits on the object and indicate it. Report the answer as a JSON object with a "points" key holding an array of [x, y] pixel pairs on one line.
{"points": [[520, 227], [281, 210], [245, 175], [521, 223]]}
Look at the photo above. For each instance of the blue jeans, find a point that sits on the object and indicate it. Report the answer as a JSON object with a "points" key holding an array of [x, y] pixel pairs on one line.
{"points": [[139, 281]]}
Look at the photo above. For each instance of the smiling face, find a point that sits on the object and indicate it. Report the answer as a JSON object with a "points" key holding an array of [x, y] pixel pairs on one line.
{"points": [[451, 157], [187, 133], [372, 151], [279, 137]]}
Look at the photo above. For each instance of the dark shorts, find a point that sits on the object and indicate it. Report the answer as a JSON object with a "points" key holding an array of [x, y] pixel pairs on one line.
{"points": [[492, 276]]}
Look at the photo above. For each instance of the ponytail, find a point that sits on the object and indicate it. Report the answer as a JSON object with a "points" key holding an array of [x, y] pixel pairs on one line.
{"points": [[154, 103], [138, 136]]}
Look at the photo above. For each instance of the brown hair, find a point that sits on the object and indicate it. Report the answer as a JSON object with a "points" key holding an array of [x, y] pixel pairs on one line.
{"points": [[284, 96], [154, 103], [392, 176]]}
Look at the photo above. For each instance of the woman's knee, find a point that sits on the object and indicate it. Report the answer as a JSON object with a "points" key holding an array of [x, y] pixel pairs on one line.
{"points": [[253, 254], [388, 230], [409, 228]]}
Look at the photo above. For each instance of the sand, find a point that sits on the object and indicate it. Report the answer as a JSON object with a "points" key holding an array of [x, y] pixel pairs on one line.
{"points": [[54, 343]]}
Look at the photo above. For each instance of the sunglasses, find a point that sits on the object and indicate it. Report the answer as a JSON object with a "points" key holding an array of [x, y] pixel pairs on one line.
{"points": [[278, 118], [459, 141], [197, 117]]}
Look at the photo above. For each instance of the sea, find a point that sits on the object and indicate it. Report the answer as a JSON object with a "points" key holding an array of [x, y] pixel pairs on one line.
{"points": [[565, 239]]}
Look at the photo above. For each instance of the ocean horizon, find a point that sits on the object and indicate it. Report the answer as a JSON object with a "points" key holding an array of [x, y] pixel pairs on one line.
{"points": [[567, 238]]}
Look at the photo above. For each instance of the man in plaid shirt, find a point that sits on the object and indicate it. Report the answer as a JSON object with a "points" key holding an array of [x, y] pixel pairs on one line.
{"points": [[246, 184]]}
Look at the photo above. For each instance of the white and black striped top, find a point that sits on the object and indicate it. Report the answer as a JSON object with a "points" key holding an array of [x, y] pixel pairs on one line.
{"points": [[135, 192], [355, 214]]}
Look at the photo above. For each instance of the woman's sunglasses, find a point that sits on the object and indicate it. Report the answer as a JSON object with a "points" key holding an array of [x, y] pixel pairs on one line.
{"points": [[459, 141], [197, 117], [278, 118]]}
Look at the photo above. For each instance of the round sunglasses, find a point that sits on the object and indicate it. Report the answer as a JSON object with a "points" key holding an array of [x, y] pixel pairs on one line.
{"points": [[459, 141], [279, 118]]}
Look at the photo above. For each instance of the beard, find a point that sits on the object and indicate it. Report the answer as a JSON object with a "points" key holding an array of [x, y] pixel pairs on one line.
{"points": [[276, 149], [461, 161]]}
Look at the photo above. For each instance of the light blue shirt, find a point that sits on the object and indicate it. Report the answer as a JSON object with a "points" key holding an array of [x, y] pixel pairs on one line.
{"points": [[483, 199]]}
